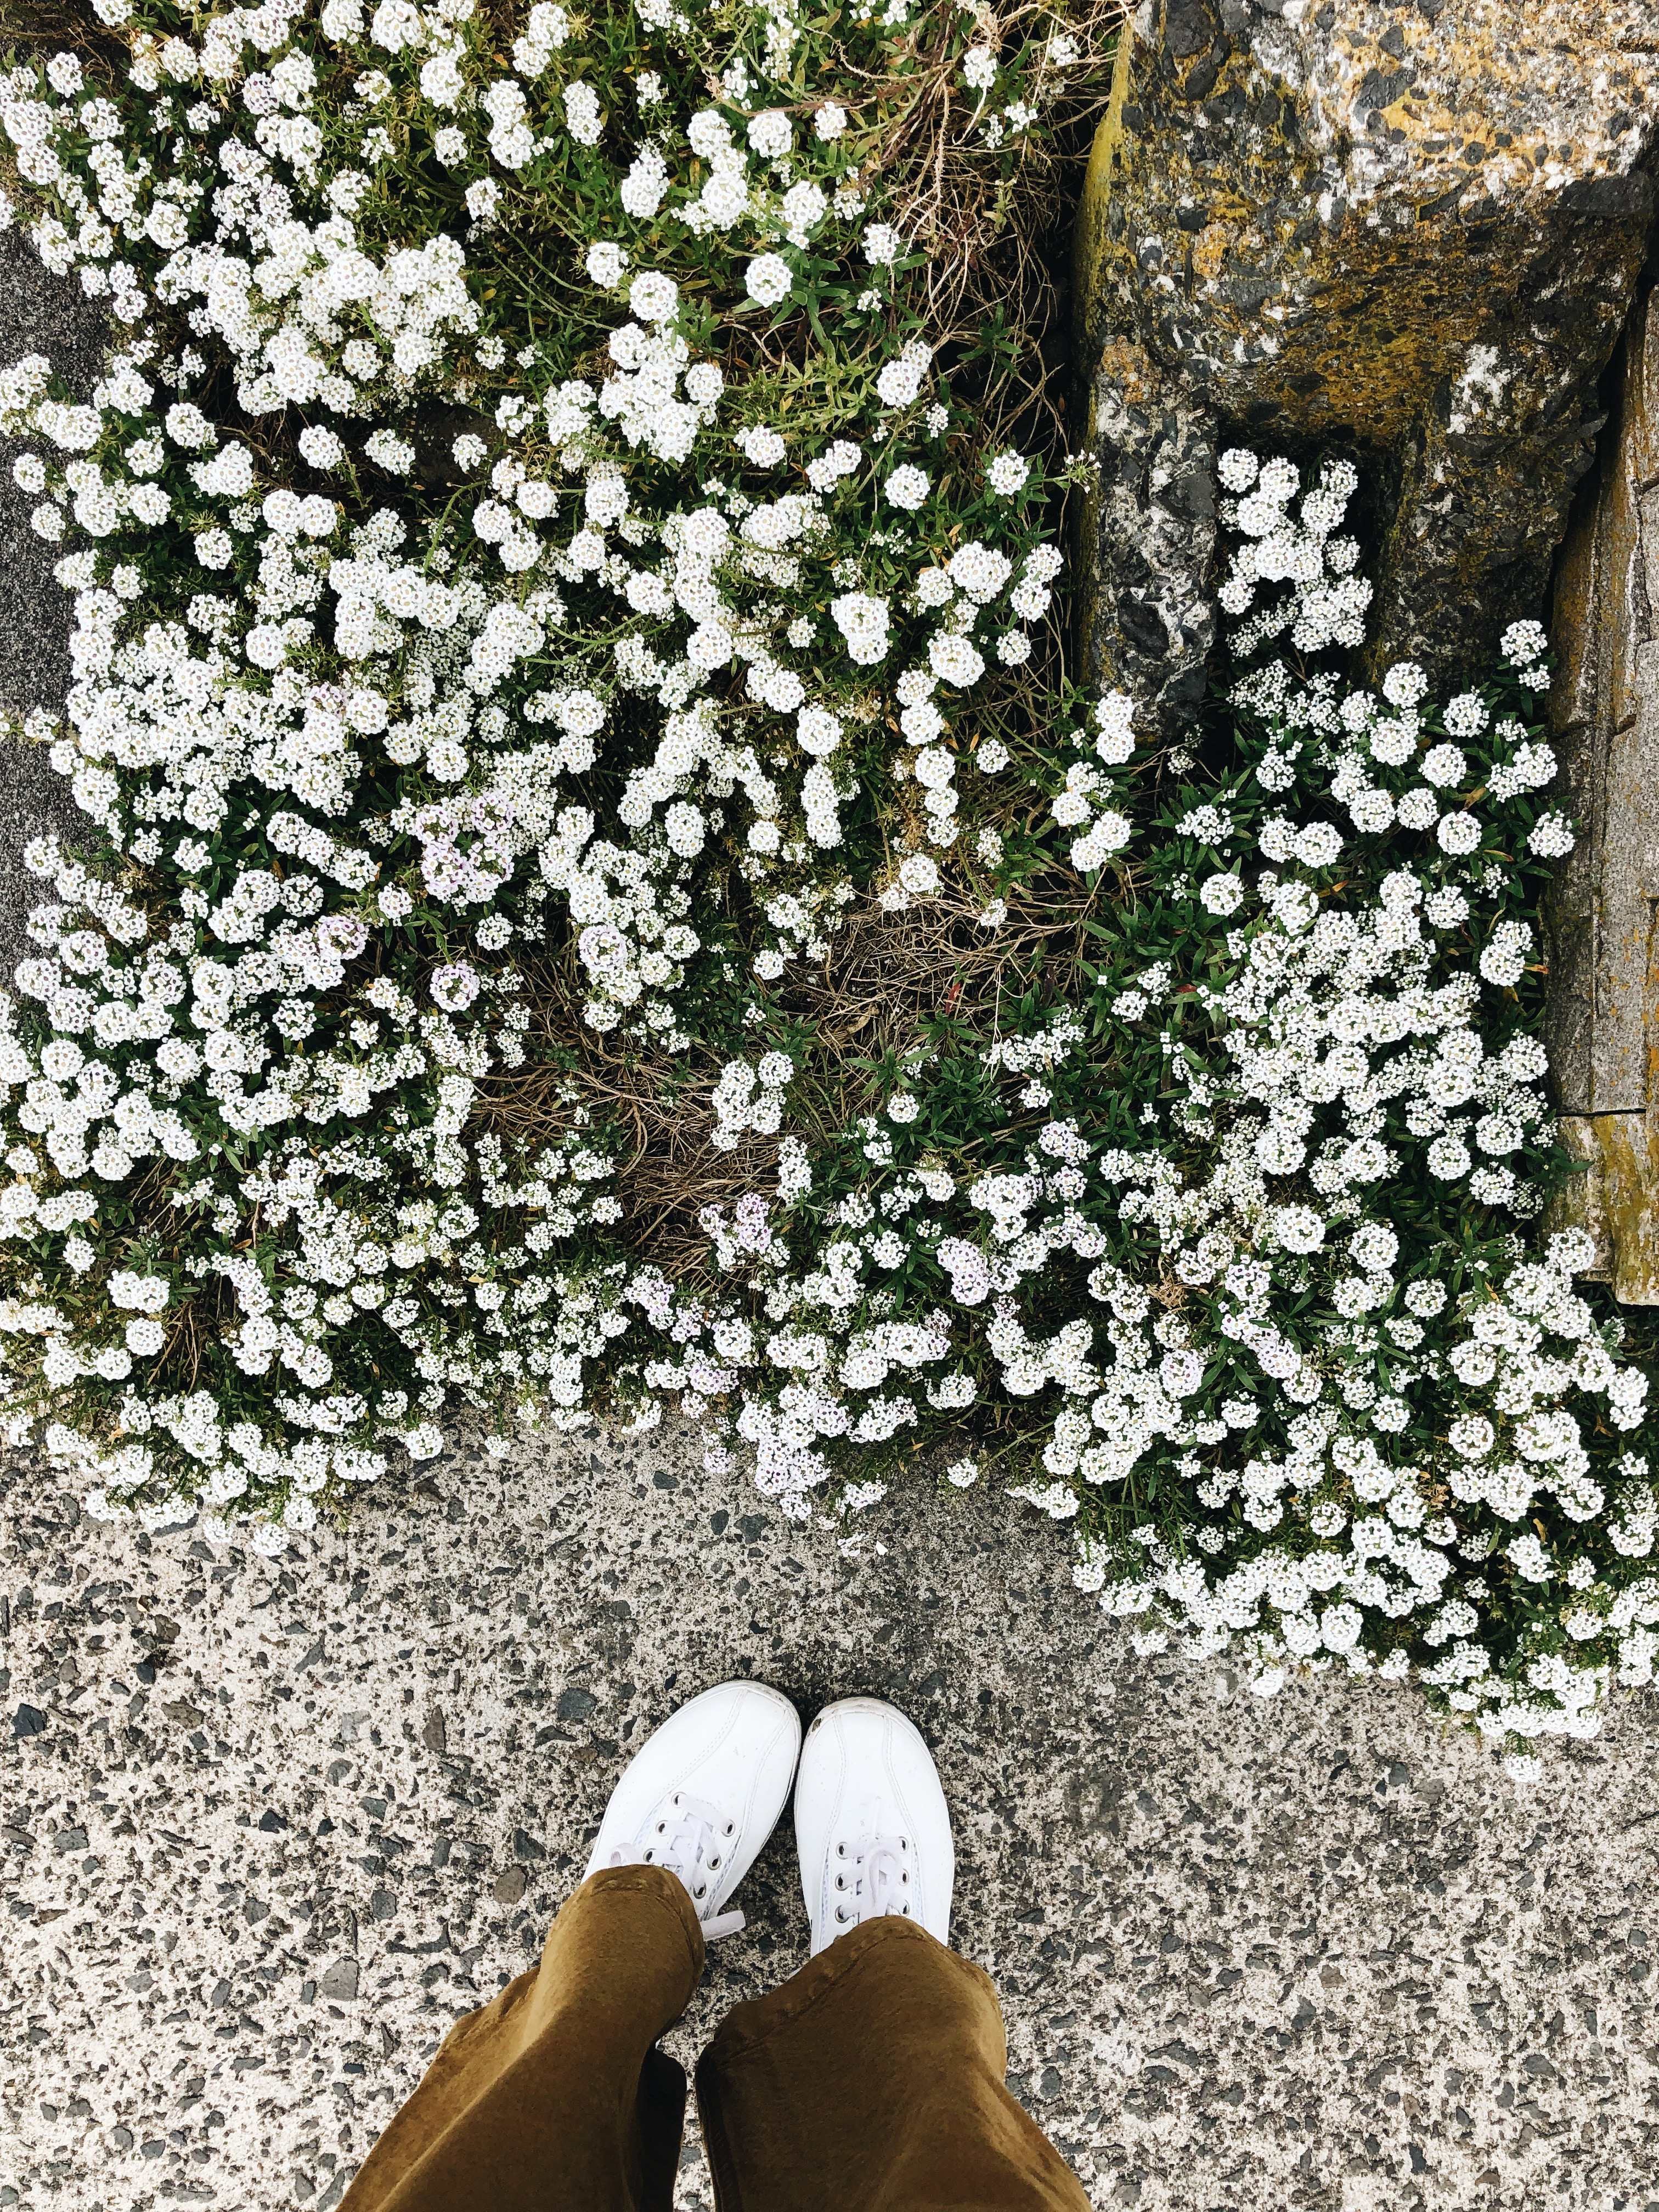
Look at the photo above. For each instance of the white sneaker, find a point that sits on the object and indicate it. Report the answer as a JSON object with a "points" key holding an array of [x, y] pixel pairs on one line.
{"points": [[701, 1796], [871, 1823]]}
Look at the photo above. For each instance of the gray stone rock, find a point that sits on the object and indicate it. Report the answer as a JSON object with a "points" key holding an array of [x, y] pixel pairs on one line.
{"points": [[340, 1982], [1411, 236]]}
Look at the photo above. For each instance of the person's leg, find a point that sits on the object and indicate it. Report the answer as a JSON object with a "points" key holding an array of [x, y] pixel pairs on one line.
{"points": [[554, 2097], [872, 2080]]}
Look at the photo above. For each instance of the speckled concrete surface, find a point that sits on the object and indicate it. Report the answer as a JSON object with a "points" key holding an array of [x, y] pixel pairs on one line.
{"points": [[268, 1828]]}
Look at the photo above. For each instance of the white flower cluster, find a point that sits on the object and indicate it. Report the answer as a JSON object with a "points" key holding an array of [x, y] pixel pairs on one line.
{"points": [[390, 782], [1314, 1370], [749, 1098], [349, 760], [1327, 602], [1084, 803], [1036, 69]]}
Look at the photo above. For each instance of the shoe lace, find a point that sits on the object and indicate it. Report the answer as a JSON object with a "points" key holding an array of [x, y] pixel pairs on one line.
{"points": [[872, 1877], [689, 1839]]}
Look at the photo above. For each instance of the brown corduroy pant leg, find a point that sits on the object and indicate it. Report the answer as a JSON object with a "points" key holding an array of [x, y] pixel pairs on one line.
{"points": [[870, 2081]]}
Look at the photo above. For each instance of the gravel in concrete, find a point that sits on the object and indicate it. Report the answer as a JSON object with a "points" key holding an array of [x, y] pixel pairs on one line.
{"points": [[268, 1829]]}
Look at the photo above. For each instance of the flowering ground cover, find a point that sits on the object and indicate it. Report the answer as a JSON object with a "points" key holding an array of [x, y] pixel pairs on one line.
{"points": [[600, 893]]}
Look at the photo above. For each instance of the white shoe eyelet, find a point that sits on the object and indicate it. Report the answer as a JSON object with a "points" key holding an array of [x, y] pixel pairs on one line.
{"points": [[703, 1892], [841, 1850], [841, 1916], [840, 1882], [731, 1827], [713, 1863]]}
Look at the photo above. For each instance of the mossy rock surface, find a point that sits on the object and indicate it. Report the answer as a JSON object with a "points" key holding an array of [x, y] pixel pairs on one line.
{"points": [[1413, 236]]}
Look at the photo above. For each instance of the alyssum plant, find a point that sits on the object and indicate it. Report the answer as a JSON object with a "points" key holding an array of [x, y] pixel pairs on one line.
{"points": [[593, 903]]}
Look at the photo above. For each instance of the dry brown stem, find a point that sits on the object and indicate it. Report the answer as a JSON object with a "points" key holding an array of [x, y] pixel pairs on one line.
{"points": [[983, 237]]}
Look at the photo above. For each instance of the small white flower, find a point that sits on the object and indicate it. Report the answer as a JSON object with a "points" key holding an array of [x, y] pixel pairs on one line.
{"points": [[767, 279], [442, 80], [643, 187], [1405, 684], [1523, 642], [1472, 1435], [1297, 1228], [1550, 838], [454, 987], [899, 383], [320, 447], [804, 209], [582, 116], [1444, 765], [953, 659], [907, 487], [1449, 1158], [388, 450], [1339, 1626], [770, 133], [1530, 1558], [1318, 844], [762, 446], [862, 620], [654, 297], [1007, 473]]}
